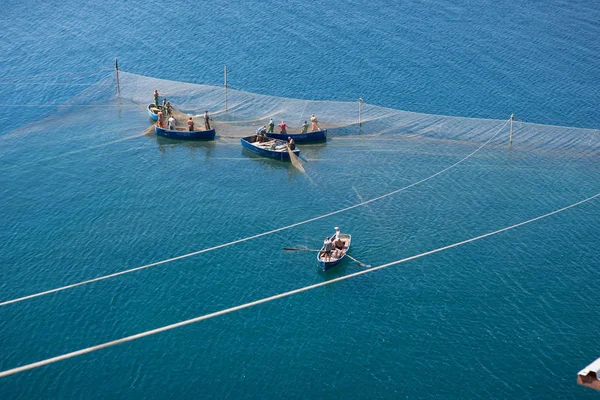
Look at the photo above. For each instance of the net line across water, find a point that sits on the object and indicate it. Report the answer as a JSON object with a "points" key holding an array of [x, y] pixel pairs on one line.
{"points": [[59, 289], [277, 296]]}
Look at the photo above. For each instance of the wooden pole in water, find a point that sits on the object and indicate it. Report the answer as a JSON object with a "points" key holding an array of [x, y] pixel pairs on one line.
{"points": [[225, 88], [117, 70], [360, 101], [512, 118]]}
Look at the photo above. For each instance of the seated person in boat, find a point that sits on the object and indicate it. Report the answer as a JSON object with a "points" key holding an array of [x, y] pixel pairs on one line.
{"points": [[339, 244], [326, 252], [291, 143]]}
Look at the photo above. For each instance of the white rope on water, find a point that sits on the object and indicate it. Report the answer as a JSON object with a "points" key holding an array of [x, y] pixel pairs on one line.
{"points": [[59, 289], [275, 297]]}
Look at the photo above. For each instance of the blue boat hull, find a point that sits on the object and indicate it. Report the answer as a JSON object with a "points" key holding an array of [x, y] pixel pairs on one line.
{"points": [[151, 114], [187, 135], [277, 155], [316, 136]]}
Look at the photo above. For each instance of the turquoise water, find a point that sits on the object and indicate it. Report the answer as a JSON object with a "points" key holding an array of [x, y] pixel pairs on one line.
{"points": [[84, 194]]}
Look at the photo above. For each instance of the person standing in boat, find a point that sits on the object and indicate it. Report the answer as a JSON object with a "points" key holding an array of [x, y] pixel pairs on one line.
{"points": [[283, 127], [156, 97], [271, 125], [190, 124], [291, 144], [168, 108], [161, 119], [304, 127], [207, 120], [326, 252], [171, 122], [315, 123]]}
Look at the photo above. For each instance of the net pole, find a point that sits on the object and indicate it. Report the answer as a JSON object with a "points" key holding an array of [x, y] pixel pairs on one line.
{"points": [[117, 71], [225, 85], [512, 118], [360, 101]]}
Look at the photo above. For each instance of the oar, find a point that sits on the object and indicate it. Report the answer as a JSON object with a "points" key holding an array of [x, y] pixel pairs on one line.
{"points": [[299, 249], [359, 263]]}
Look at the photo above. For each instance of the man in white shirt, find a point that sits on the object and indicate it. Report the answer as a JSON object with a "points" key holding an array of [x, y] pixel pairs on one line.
{"points": [[171, 123]]}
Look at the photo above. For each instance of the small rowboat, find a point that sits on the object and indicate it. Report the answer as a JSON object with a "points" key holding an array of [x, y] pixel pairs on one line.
{"points": [[185, 134], [316, 136], [336, 256], [153, 111], [277, 149]]}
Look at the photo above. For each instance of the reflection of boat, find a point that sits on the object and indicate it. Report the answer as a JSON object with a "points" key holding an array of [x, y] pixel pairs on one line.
{"points": [[185, 134], [316, 136], [337, 255], [153, 110], [277, 149]]}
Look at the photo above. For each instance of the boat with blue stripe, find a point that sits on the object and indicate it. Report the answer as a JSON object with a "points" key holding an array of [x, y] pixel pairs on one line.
{"points": [[185, 134], [316, 136], [273, 148]]}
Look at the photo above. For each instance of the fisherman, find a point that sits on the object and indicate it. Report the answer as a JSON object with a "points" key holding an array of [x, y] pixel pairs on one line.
{"points": [[339, 244], [337, 234], [283, 128], [156, 97], [164, 102], [305, 127], [271, 125], [315, 123], [161, 120], [172, 123], [207, 120], [260, 134], [190, 124], [326, 252], [291, 143]]}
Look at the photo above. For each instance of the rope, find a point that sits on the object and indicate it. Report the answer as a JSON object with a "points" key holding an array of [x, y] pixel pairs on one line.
{"points": [[275, 297], [31, 296]]}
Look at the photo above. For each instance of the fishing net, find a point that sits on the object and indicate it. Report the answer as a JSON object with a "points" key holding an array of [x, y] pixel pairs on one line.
{"points": [[237, 113]]}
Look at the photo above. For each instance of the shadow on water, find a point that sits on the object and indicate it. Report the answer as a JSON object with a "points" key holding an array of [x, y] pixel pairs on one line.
{"points": [[165, 145]]}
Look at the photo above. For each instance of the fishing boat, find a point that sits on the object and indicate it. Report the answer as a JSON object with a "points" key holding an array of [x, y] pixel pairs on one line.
{"points": [[277, 149], [316, 136], [337, 255], [153, 110], [182, 133]]}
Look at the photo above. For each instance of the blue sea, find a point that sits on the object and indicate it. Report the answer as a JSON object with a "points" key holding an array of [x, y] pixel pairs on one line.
{"points": [[84, 193]]}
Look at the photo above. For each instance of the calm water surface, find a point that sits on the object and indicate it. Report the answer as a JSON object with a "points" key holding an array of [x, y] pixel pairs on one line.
{"points": [[84, 194]]}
